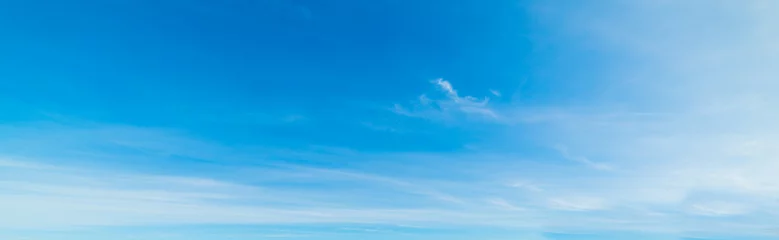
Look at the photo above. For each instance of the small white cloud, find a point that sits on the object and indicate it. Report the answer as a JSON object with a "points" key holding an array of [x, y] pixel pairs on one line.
{"points": [[449, 108], [495, 92], [446, 87]]}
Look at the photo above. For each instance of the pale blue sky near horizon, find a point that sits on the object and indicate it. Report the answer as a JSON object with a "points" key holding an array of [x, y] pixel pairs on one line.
{"points": [[386, 119]]}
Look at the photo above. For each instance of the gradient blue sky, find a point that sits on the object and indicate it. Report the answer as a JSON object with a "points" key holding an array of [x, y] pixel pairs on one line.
{"points": [[386, 119]]}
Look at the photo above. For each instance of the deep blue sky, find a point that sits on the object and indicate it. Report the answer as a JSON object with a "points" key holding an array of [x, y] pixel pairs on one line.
{"points": [[386, 119]]}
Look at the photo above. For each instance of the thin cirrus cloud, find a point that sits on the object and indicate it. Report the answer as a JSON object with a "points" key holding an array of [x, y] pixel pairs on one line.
{"points": [[280, 193], [448, 108], [583, 160], [496, 93]]}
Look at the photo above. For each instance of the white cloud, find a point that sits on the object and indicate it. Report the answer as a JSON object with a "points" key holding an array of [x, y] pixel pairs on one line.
{"points": [[451, 108], [447, 88], [64, 199], [495, 92], [583, 160], [472, 192]]}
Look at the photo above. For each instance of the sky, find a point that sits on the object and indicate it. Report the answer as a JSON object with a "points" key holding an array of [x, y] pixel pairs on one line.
{"points": [[386, 119]]}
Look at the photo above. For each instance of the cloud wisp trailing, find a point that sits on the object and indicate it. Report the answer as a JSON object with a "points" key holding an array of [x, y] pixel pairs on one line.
{"points": [[503, 192], [449, 108]]}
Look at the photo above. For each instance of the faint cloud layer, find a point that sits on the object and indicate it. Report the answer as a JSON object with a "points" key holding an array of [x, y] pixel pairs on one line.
{"points": [[277, 192]]}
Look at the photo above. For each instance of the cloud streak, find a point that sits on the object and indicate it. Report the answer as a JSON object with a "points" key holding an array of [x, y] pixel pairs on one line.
{"points": [[583, 160], [450, 108], [90, 195]]}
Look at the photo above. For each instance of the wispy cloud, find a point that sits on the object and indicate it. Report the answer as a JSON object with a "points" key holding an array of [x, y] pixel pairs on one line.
{"points": [[496, 93], [718, 209], [451, 107], [502, 203], [583, 160], [9, 163], [387, 192], [116, 199], [526, 186]]}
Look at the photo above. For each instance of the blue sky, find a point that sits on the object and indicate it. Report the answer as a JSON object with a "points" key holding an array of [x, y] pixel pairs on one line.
{"points": [[297, 119]]}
